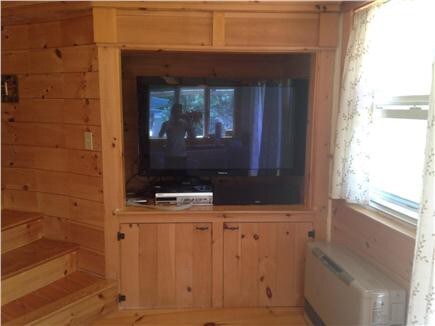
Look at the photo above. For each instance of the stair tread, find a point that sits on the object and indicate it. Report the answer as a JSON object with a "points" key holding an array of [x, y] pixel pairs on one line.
{"points": [[11, 218], [33, 254], [52, 297]]}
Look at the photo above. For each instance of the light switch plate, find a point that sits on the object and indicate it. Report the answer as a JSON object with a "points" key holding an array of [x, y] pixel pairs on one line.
{"points": [[88, 140]]}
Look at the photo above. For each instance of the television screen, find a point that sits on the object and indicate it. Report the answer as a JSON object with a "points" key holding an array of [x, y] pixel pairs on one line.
{"points": [[197, 126]]}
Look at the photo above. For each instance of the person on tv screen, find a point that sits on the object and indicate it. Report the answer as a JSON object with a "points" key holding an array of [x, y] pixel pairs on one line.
{"points": [[176, 129]]}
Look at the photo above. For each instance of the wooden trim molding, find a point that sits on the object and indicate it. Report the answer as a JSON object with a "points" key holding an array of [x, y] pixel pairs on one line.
{"points": [[320, 138], [227, 6], [105, 30], [189, 27], [109, 60], [218, 29]]}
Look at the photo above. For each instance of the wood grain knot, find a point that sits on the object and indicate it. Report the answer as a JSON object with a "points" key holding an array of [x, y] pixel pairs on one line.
{"points": [[256, 237], [210, 324], [268, 292], [189, 289], [58, 53], [139, 319]]}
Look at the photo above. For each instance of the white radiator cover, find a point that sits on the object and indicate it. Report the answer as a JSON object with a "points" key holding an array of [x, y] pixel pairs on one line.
{"points": [[344, 289]]}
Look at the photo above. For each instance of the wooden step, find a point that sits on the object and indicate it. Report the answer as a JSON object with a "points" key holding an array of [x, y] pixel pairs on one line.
{"points": [[19, 229], [35, 265], [74, 299]]}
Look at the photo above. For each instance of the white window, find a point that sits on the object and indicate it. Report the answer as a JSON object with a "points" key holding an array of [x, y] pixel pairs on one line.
{"points": [[403, 64], [398, 156]]}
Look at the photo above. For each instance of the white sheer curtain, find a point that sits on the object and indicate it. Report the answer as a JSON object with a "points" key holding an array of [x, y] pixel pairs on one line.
{"points": [[389, 48], [422, 297], [351, 167]]}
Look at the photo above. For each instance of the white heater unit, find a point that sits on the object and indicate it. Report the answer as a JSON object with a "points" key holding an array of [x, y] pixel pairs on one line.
{"points": [[341, 288]]}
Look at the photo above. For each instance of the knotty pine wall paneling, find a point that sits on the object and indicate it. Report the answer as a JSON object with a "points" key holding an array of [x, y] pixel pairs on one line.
{"points": [[389, 248], [45, 166]]}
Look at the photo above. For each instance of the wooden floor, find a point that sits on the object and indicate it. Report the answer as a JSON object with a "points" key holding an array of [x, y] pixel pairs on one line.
{"points": [[207, 317]]}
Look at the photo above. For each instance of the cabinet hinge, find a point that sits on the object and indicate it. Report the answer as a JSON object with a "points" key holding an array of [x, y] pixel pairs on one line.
{"points": [[312, 234], [121, 297], [120, 236]]}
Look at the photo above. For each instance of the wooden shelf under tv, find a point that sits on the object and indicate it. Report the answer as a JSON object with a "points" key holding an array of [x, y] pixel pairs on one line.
{"points": [[214, 213]]}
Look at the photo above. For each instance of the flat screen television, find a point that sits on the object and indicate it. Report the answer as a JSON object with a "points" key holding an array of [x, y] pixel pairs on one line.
{"points": [[219, 127]]}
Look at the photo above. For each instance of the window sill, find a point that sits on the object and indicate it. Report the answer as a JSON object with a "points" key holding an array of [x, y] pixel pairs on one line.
{"points": [[386, 219]]}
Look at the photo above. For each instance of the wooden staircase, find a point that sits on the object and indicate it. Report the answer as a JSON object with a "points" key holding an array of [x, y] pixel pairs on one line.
{"points": [[40, 281]]}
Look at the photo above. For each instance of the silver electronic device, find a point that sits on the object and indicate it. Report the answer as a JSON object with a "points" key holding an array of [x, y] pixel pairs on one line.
{"points": [[184, 195], [183, 198]]}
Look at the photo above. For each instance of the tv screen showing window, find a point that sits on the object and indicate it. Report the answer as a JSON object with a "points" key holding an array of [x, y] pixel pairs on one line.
{"points": [[213, 127]]}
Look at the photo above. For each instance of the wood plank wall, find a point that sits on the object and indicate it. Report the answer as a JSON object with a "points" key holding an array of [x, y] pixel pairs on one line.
{"points": [[389, 249], [45, 166], [62, 87]]}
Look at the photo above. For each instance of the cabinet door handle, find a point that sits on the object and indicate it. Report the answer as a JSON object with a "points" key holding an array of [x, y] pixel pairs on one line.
{"points": [[231, 228], [201, 228]]}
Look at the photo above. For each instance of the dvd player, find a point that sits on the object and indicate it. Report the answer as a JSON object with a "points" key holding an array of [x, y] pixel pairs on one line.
{"points": [[183, 198], [183, 195]]}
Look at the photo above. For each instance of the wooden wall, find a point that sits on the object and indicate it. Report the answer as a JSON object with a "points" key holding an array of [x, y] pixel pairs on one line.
{"points": [[45, 166], [62, 87], [386, 245], [68, 69]]}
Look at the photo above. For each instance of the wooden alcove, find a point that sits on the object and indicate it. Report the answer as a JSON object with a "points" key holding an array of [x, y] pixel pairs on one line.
{"points": [[209, 274]]}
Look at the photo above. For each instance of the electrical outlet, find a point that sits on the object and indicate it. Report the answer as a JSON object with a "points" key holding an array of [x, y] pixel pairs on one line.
{"points": [[88, 140]]}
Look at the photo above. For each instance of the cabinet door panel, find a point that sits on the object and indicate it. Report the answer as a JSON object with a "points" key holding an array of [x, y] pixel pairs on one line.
{"points": [[147, 261], [263, 263], [166, 265], [130, 265]]}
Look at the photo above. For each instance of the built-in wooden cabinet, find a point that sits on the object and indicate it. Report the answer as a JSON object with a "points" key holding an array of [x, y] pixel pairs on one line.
{"points": [[190, 264], [166, 265], [264, 263]]}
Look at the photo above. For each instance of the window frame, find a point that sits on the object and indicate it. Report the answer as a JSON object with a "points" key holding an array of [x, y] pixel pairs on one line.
{"points": [[207, 107], [386, 202], [210, 88]]}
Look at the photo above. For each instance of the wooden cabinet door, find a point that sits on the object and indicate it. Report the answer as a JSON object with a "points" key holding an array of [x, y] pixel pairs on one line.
{"points": [[166, 265], [264, 263]]}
